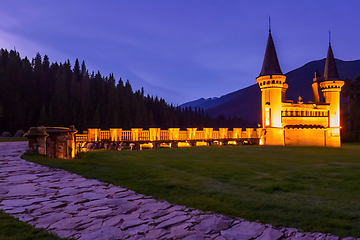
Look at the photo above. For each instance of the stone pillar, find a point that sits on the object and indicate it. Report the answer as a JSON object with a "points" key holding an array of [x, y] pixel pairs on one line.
{"points": [[208, 133], [249, 132], [259, 132], [223, 133], [154, 134], [94, 134], [237, 132], [115, 134], [191, 133], [41, 145], [37, 139], [136, 133], [174, 133]]}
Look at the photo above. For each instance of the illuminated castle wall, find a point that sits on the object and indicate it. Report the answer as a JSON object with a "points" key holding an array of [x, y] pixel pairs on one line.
{"points": [[315, 123]]}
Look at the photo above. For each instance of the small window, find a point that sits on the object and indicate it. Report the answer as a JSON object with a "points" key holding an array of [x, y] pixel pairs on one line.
{"points": [[267, 114]]}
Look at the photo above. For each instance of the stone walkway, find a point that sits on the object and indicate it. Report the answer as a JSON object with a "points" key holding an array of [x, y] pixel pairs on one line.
{"points": [[72, 206]]}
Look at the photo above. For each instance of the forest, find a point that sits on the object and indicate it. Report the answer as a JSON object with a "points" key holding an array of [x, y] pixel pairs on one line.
{"points": [[39, 93]]}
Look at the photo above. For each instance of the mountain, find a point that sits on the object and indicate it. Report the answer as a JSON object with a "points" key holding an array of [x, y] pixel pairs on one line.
{"points": [[246, 102], [201, 102]]}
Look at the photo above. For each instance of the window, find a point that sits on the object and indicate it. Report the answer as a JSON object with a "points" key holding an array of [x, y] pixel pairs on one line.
{"points": [[267, 116]]}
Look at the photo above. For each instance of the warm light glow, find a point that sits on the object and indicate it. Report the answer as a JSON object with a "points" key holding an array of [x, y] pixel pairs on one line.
{"points": [[201, 143], [183, 144], [165, 145], [300, 123], [267, 116], [232, 143], [146, 145]]}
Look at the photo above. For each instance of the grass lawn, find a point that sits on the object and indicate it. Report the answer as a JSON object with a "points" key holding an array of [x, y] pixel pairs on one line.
{"points": [[309, 188], [13, 229]]}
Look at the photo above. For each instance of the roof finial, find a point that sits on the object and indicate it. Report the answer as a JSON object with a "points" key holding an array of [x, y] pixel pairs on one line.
{"points": [[269, 25], [329, 37]]}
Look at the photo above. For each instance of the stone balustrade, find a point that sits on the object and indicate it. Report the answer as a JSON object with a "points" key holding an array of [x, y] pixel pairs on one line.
{"points": [[171, 134]]}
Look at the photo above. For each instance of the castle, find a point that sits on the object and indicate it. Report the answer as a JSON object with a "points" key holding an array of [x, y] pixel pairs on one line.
{"points": [[315, 123]]}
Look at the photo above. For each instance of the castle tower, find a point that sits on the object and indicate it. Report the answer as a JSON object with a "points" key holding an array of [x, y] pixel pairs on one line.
{"points": [[271, 82], [331, 88]]}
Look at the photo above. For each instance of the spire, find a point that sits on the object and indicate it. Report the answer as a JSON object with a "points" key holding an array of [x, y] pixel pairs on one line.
{"points": [[330, 72], [271, 63], [269, 25]]}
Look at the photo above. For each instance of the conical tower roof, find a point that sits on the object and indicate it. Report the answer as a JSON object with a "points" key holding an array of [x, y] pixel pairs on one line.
{"points": [[271, 63], [330, 72]]}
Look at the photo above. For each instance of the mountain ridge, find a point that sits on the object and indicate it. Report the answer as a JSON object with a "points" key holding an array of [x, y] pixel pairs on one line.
{"points": [[246, 102]]}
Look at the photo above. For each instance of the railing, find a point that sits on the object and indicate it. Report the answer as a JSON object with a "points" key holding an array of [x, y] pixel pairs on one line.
{"points": [[144, 135], [153, 135], [183, 135], [81, 137], [199, 135], [105, 135], [126, 135], [215, 135], [164, 135]]}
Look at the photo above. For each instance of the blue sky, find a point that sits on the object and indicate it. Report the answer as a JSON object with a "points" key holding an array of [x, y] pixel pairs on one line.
{"points": [[181, 50]]}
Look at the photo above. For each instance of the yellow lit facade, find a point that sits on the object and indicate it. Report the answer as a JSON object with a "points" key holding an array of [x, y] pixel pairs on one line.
{"points": [[285, 123]]}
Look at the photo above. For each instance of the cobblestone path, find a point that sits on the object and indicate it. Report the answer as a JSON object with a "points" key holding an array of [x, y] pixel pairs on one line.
{"points": [[72, 206]]}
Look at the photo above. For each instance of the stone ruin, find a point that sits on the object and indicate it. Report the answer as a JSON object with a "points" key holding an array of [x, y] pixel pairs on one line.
{"points": [[56, 142]]}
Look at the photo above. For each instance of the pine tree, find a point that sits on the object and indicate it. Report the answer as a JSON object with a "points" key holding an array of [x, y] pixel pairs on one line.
{"points": [[43, 117]]}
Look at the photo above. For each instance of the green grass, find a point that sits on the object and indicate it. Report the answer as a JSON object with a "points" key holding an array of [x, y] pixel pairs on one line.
{"points": [[309, 188], [13, 229], [13, 139]]}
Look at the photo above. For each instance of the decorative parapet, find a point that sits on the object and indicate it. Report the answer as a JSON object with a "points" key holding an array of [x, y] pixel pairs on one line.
{"points": [[171, 134]]}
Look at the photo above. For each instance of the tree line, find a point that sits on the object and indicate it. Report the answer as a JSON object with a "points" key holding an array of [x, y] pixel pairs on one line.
{"points": [[350, 117], [40, 93]]}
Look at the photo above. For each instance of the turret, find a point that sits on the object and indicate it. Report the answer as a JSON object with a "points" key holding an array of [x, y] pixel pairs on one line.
{"points": [[271, 82], [331, 88], [315, 88]]}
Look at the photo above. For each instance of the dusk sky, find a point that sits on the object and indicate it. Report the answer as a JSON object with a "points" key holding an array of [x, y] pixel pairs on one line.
{"points": [[181, 50]]}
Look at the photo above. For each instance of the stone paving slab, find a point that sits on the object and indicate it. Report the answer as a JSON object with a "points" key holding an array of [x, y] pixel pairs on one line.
{"points": [[70, 205]]}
